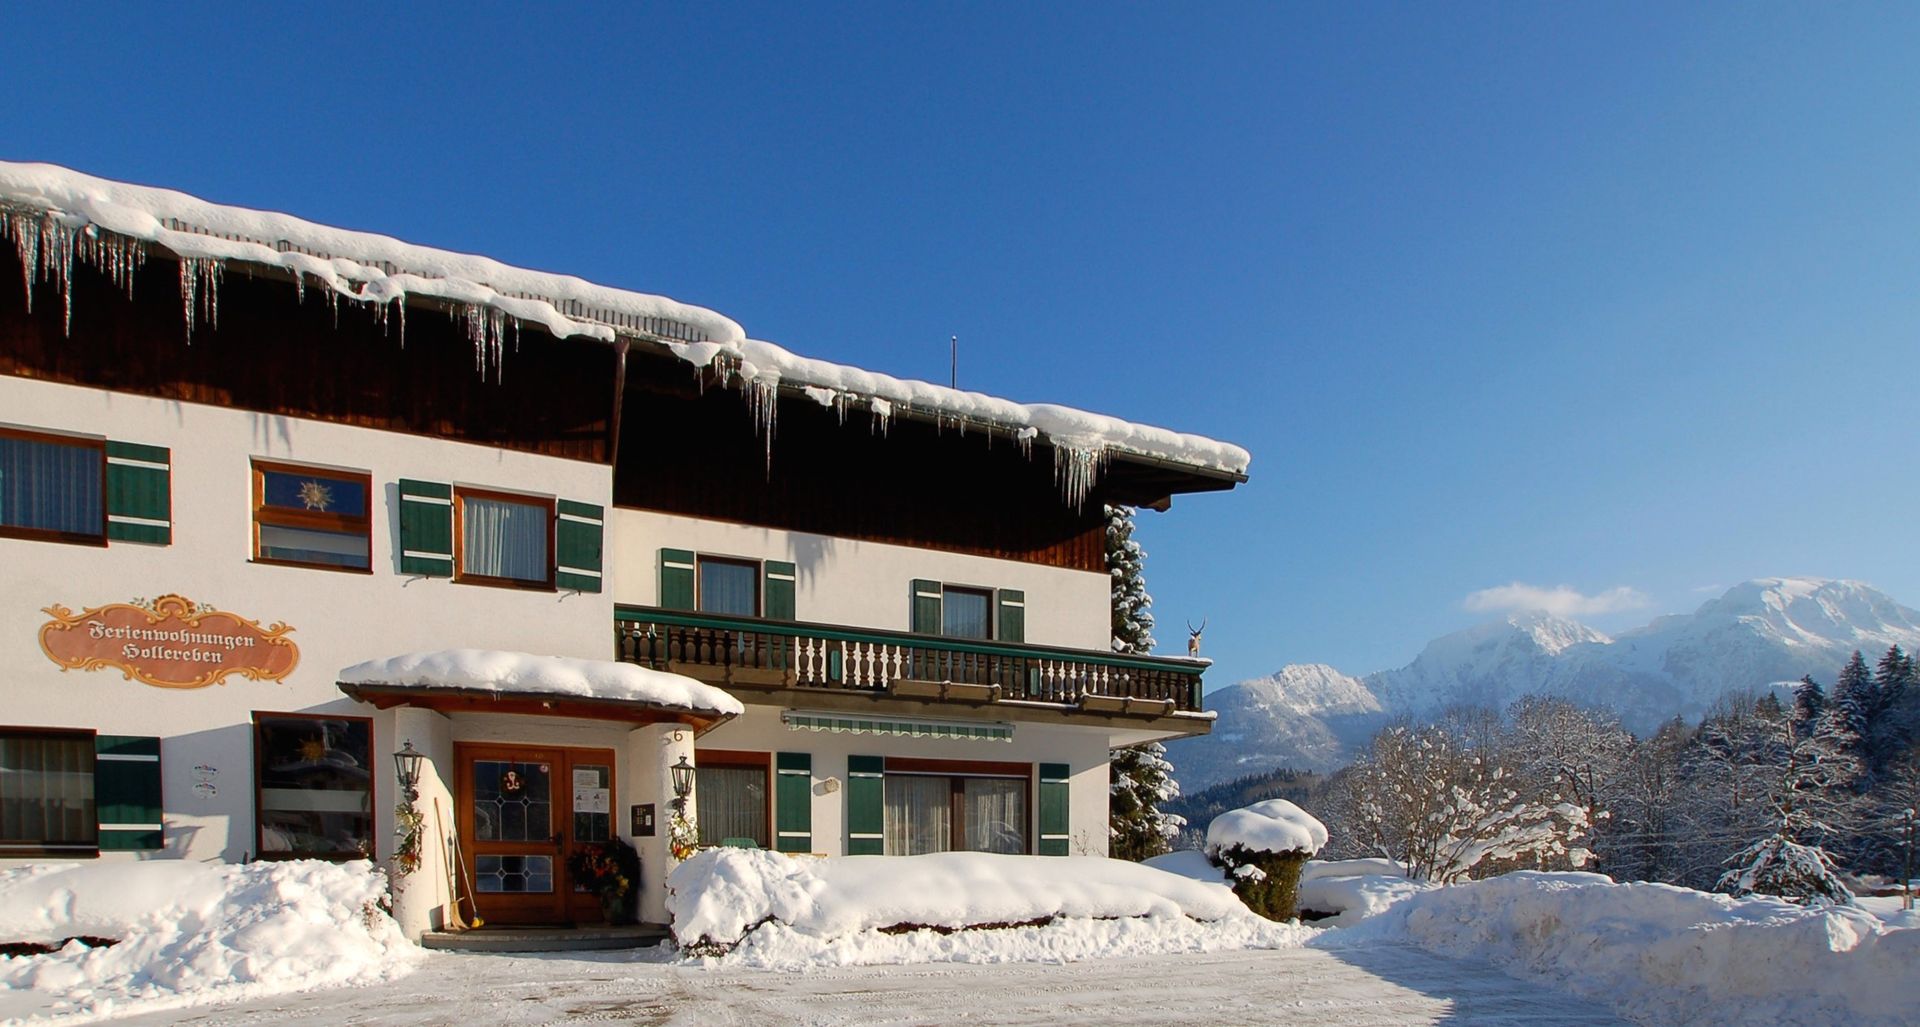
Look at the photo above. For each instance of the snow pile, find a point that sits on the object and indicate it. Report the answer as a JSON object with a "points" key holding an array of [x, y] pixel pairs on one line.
{"points": [[857, 909], [1275, 825], [1189, 863], [188, 933], [1353, 889], [1663, 954], [491, 670]]}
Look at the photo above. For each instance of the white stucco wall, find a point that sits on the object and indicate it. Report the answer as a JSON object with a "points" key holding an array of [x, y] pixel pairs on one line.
{"points": [[859, 584], [1082, 748], [338, 618]]}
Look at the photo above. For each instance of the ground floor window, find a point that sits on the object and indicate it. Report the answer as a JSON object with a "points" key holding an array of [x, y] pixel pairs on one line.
{"points": [[315, 785], [46, 791], [954, 813], [730, 798]]}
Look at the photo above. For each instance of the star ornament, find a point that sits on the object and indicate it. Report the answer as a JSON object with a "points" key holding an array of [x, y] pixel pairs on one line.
{"points": [[315, 496]]}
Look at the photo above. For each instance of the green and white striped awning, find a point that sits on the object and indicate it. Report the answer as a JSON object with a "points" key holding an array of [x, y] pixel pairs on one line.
{"points": [[860, 724]]}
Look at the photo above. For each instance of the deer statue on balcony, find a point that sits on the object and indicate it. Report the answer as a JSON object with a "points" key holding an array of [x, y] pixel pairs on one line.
{"points": [[1193, 637]]}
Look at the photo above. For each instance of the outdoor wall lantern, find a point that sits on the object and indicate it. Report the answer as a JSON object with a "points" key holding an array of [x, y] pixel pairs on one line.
{"points": [[682, 779], [406, 764]]}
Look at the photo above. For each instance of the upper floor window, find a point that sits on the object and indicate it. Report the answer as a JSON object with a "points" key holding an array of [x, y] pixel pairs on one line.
{"points": [[965, 611], [504, 539], [729, 586], [52, 487], [311, 518]]}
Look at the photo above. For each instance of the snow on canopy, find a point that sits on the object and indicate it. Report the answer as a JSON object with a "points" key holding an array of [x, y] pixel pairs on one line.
{"points": [[492, 670], [719, 895], [1275, 825], [55, 216]]}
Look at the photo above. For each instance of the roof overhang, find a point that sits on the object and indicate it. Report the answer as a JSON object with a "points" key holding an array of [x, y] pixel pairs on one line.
{"points": [[531, 704]]}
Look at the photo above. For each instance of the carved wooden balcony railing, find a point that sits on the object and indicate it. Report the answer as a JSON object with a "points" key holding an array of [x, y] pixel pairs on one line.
{"points": [[754, 653]]}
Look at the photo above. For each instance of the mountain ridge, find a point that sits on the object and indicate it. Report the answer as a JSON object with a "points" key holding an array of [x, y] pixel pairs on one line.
{"points": [[1757, 634]]}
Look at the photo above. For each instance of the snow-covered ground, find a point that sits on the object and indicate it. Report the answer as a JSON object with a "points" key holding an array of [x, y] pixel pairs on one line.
{"points": [[1661, 954], [1094, 941], [1388, 985]]}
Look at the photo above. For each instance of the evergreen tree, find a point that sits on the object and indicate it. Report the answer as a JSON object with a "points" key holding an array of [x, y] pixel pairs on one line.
{"points": [[1853, 698], [1809, 702], [1142, 778], [1891, 677], [1126, 564]]}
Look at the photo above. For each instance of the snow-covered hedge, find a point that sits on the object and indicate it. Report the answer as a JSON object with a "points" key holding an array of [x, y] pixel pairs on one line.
{"points": [[842, 908], [185, 933], [1662, 954]]}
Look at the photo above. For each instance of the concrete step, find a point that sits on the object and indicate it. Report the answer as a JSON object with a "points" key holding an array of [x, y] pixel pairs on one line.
{"points": [[545, 939]]}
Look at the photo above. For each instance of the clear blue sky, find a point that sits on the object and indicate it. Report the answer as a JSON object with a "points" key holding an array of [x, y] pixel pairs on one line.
{"points": [[1613, 297]]}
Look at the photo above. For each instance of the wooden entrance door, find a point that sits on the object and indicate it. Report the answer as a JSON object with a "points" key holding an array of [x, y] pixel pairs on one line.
{"points": [[523, 811]]}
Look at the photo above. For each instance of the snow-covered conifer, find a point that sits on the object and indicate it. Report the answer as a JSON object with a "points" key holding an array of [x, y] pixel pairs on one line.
{"points": [[1853, 697], [1126, 565], [1141, 777]]}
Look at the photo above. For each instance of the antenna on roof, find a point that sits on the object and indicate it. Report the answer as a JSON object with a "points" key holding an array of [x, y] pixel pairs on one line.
{"points": [[953, 361]]}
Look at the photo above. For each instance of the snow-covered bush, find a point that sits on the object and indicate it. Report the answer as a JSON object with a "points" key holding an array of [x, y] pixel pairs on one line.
{"points": [[1426, 798], [1263, 847], [720, 896]]}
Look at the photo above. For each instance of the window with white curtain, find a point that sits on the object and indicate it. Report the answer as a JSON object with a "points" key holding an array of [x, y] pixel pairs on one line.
{"points": [[46, 791], [52, 487], [505, 538], [729, 586], [966, 613], [937, 813], [730, 804]]}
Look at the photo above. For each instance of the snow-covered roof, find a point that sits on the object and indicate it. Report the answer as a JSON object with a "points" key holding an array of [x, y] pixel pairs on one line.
{"points": [[524, 674], [54, 215]]}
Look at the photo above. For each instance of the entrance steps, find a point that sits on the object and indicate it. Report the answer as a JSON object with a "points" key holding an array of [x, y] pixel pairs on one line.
{"points": [[545, 939]]}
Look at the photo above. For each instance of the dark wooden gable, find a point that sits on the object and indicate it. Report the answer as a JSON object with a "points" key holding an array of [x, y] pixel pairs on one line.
{"points": [[270, 352], [687, 452]]}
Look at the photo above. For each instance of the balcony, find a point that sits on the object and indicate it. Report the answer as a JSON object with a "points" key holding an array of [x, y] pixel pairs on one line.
{"points": [[749, 653]]}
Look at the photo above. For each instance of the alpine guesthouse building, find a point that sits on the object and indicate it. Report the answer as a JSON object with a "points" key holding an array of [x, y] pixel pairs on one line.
{"points": [[279, 501]]}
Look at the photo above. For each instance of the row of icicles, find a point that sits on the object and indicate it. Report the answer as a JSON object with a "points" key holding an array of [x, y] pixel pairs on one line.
{"points": [[48, 243]]}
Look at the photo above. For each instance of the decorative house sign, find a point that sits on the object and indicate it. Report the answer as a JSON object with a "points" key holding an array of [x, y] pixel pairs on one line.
{"points": [[171, 642]]}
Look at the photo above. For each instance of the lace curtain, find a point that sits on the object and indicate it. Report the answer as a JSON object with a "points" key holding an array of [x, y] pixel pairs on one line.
{"points": [[502, 539], [49, 486]]}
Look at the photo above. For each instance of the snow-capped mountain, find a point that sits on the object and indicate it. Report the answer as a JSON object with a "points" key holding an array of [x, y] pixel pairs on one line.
{"points": [[1303, 715], [1760, 633]]}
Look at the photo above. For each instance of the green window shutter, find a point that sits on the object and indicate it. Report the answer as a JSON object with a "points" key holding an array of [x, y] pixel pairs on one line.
{"points": [[926, 607], [793, 802], [578, 533], [139, 493], [126, 792], [1013, 616], [1053, 809], [777, 596], [426, 528], [866, 805], [676, 579]]}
